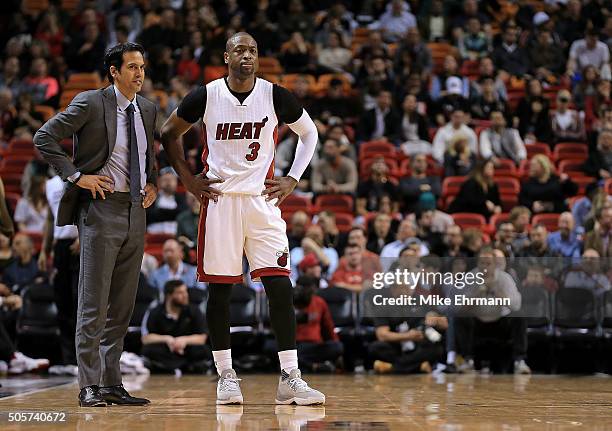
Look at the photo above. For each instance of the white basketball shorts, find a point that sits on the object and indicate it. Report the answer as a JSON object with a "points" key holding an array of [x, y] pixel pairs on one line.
{"points": [[236, 225]]}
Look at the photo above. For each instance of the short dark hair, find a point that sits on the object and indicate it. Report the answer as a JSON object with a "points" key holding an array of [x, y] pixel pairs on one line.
{"points": [[171, 286], [114, 56]]}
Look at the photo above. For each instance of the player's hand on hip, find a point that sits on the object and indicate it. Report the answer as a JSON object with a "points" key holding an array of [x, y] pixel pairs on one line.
{"points": [[96, 184], [150, 195], [200, 187], [279, 188]]}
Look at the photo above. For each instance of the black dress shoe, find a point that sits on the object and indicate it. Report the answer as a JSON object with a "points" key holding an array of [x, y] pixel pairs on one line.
{"points": [[118, 395], [90, 397]]}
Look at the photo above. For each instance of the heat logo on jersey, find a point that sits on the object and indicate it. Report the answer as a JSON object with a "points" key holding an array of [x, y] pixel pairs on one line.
{"points": [[283, 257], [227, 131]]}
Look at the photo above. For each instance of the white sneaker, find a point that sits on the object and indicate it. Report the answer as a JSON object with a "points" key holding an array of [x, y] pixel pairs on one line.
{"points": [[228, 388], [521, 367], [23, 364], [64, 370], [292, 389]]}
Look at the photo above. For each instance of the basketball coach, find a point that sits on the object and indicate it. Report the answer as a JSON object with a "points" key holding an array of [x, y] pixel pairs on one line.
{"points": [[109, 183]]}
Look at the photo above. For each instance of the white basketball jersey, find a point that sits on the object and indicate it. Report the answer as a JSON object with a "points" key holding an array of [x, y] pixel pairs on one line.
{"points": [[240, 138]]}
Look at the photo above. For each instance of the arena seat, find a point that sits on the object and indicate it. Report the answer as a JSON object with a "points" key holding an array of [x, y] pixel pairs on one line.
{"points": [[575, 311], [439, 50], [243, 309], [289, 80], [270, 65], [550, 220], [572, 167], [344, 222], [342, 307], [376, 148], [66, 97], [467, 220], [508, 201], [325, 79], [157, 239], [293, 203], [506, 168], [507, 185], [497, 219], [537, 148], [365, 166], [335, 202], [567, 150], [83, 81], [535, 303], [46, 111], [582, 182], [451, 185], [37, 323]]}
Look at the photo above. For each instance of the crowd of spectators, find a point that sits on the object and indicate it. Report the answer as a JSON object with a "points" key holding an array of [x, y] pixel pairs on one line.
{"points": [[407, 97]]}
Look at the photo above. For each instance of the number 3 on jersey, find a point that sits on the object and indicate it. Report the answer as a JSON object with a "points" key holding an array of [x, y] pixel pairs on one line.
{"points": [[254, 147]]}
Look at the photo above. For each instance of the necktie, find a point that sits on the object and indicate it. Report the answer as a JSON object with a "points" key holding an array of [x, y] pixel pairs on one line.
{"points": [[134, 158]]}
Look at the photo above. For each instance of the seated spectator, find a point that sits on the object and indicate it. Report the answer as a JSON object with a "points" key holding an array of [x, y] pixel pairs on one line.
{"points": [[567, 124], [299, 221], [84, 51], [546, 57], [10, 77], [313, 243], [599, 238], [564, 241], [453, 241], [174, 333], [311, 267], [381, 234], [494, 322], [488, 101], [509, 56], [173, 268], [532, 116], [6, 251], [373, 47], [584, 209], [8, 114], [544, 191], [501, 142], [396, 21], [504, 239], [451, 101], [472, 242], [586, 88], [486, 69], [28, 120], [406, 237], [479, 194], [414, 55], [474, 43], [334, 103], [588, 275], [336, 130], [538, 246], [444, 136], [161, 216], [459, 159], [31, 210], [381, 122], [589, 51], [413, 186], [23, 270], [40, 85], [332, 237], [440, 82], [599, 163], [335, 173], [536, 278], [187, 222], [334, 55], [431, 239], [351, 274], [370, 192], [370, 261], [414, 134], [318, 344], [296, 54], [401, 345], [435, 25], [519, 217], [441, 220]]}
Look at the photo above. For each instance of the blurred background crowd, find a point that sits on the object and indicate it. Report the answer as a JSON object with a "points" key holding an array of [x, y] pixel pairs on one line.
{"points": [[454, 129]]}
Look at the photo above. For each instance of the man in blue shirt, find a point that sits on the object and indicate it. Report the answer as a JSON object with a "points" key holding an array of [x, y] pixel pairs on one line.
{"points": [[565, 241], [174, 268]]}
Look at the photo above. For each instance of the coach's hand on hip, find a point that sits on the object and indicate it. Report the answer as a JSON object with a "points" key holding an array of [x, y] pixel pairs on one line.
{"points": [[199, 186], [96, 184], [279, 188], [150, 195]]}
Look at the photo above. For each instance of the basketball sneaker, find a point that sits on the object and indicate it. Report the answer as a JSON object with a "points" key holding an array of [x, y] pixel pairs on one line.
{"points": [[23, 364], [292, 389], [521, 367], [228, 388]]}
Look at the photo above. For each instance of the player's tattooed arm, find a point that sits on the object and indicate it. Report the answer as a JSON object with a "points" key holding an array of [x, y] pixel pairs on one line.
{"points": [[200, 187]]}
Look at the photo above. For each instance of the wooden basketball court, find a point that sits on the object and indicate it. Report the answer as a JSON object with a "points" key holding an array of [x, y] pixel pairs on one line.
{"points": [[354, 402]]}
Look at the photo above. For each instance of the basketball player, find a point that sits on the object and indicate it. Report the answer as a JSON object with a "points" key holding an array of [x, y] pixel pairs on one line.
{"points": [[240, 197]]}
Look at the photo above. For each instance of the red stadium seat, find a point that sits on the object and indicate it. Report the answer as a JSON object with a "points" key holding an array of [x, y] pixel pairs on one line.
{"points": [[339, 204], [467, 220], [11, 200], [269, 65], [508, 201], [497, 219], [506, 168], [550, 220], [507, 185], [293, 203], [537, 148], [157, 239], [365, 167], [376, 148], [451, 186], [344, 222], [570, 151], [572, 167], [583, 182]]}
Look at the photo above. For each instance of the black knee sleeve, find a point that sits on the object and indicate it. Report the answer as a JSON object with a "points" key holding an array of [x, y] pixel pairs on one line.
{"points": [[218, 315], [282, 314]]}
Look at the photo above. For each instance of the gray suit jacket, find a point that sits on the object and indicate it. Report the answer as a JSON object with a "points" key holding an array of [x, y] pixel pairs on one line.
{"points": [[93, 141]]}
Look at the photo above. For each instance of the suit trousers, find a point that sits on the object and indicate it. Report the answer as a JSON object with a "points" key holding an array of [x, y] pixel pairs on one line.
{"points": [[111, 233]]}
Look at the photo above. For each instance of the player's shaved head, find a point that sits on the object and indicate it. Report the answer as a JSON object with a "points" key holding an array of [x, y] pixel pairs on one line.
{"points": [[233, 40]]}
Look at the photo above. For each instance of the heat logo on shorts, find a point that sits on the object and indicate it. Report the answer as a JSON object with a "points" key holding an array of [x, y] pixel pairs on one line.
{"points": [[227, 131], [283, 257]]}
